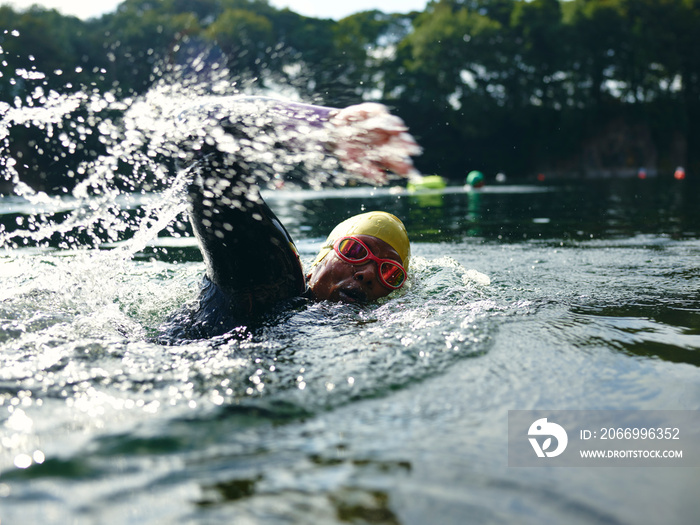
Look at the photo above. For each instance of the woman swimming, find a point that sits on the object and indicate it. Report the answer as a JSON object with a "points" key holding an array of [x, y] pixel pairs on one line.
{"points": [[252, 265]]}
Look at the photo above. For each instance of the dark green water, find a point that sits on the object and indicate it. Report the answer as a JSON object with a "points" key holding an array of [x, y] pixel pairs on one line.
{"points": [[521, 297]]}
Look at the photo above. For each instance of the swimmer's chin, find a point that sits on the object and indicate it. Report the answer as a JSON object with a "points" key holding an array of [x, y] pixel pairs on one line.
{"points": [[351, 296]]}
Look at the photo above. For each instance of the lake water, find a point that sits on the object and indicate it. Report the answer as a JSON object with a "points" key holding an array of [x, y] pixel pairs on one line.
{"points": [[578, 296]]}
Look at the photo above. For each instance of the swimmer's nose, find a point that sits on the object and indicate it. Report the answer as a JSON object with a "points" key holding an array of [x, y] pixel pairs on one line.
{"points": [[367, 273]]}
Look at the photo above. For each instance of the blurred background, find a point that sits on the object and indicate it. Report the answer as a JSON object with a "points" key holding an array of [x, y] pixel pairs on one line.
{"points": [[569, 281], [531, 89]]}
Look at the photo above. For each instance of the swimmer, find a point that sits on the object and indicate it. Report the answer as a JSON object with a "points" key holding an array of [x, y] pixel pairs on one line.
{"points": [[364, 258], [252, 265]]}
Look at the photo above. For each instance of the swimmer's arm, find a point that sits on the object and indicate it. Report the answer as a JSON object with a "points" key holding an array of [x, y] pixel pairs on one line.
{"points": [[368, 141], [366, 138]]}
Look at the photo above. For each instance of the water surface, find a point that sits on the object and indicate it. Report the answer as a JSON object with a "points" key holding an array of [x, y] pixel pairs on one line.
{"points": [[580, 296]]}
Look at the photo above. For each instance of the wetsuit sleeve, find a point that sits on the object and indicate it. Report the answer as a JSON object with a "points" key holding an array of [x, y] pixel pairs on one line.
{"points": [[251, 261], [248, 253]]}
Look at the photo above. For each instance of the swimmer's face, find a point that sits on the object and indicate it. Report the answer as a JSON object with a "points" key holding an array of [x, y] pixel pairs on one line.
{"points": [[334, 279]]}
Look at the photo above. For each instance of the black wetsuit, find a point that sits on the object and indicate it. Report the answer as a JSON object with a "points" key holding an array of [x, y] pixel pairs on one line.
{"points": [[252, 265]]}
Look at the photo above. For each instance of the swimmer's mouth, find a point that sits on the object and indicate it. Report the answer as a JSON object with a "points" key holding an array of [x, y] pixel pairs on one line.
{"points": [[351, 295]]}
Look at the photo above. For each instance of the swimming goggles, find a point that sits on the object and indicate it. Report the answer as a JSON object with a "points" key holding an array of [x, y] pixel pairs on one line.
{"points": [[354, 251]]}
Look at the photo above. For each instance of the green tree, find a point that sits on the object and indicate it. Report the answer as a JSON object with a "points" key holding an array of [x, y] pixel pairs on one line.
{"points": [[451, 84], [53, 49], [365, 45], [137, 38], [243, 36]]}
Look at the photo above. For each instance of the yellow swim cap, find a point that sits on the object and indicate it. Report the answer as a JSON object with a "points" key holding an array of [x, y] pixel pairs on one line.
{"points": [[379, 224]]}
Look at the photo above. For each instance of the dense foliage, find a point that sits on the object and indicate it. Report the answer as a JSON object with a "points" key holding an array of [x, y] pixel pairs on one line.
{"points": [[569, 87]]}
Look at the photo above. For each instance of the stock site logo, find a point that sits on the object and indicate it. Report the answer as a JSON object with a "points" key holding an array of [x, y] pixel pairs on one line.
{"points": [[542, 428]]}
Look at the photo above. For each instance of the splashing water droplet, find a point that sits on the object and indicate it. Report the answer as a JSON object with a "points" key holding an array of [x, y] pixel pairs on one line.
{"points": [[23, 461]]}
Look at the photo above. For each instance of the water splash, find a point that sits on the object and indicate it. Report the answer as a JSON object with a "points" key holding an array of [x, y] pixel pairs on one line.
{"points": [[137, 144], [78, 303]]}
